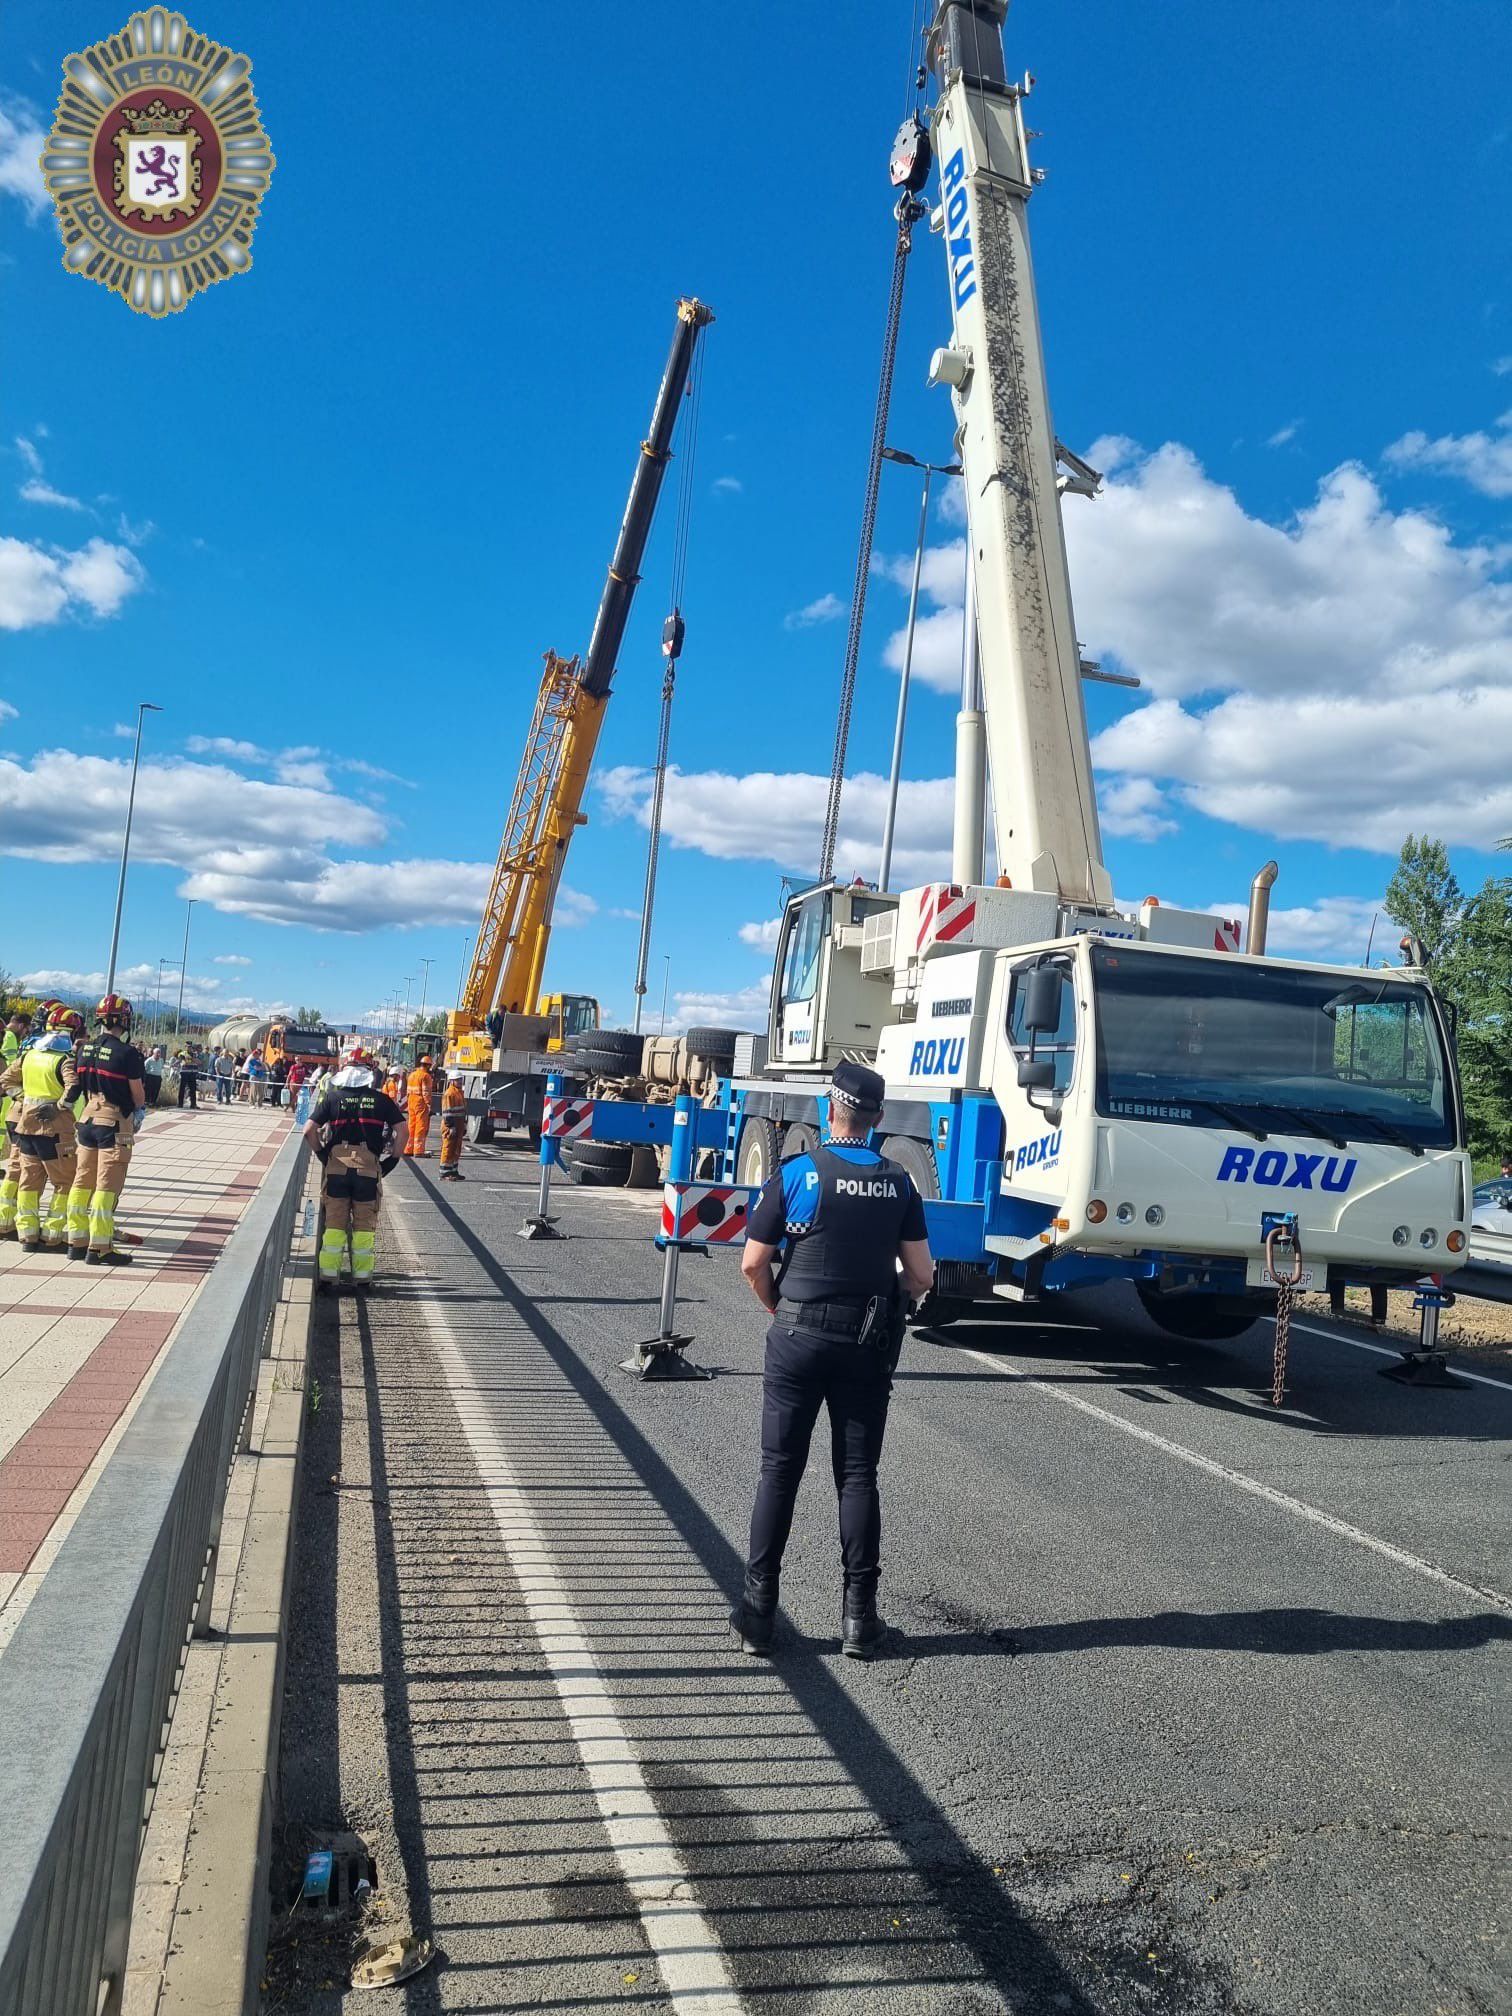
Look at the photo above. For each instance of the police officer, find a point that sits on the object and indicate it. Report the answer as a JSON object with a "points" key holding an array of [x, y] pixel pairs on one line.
{"points": [[111, 1075], [358, 1133], [844, 1218]]}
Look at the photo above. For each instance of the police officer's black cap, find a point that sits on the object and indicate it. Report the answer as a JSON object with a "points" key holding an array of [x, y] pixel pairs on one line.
{"points": [[854, 1086]]}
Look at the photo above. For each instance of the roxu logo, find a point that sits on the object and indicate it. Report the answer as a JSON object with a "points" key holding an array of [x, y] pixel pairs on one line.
{"points": [[1286, 1172], [937, 1058], [1038, 1154], [958, 229]]}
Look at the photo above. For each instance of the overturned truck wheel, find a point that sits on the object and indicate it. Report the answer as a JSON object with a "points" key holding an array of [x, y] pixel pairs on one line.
{"points": [[597, 1165], [1199, 1319]]}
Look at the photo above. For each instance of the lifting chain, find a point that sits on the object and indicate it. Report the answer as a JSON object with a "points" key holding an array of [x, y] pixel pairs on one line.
{"points": [[1285, 1288]]}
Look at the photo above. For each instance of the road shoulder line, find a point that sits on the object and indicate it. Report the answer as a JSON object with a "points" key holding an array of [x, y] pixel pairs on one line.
{"points": [[1242, 1481]]}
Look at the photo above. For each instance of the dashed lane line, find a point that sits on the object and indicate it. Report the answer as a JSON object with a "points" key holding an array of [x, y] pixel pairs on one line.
{"points": [[688, 1952], [1242, 1481]]}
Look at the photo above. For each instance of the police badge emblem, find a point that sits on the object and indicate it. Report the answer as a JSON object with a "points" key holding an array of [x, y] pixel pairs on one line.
{"points": [[157, 162]]}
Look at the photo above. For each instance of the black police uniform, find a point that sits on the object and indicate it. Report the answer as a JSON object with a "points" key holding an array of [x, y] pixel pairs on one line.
{"points": [[841, 1213]]}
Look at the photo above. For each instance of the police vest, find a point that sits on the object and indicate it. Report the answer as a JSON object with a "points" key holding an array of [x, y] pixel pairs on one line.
{"points": [[42, 1074], [849, 1251]]}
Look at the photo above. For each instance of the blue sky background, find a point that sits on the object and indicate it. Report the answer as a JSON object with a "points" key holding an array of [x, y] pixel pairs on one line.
{"points": [[341, 506]]}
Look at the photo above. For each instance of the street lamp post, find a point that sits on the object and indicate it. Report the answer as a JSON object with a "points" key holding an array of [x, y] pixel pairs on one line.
{"points": [[666, 983], [143, 707], [424, 986], [178, 1014], [930, 469]]}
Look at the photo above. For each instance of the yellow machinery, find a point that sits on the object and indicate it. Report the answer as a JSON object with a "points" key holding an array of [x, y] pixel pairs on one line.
{"points": [[546, 809]]}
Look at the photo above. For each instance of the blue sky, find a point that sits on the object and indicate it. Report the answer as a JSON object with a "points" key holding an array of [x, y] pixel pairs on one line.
{"points": [[331, 516]]}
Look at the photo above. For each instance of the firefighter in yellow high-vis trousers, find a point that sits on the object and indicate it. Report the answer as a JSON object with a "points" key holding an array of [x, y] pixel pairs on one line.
{"points": [[16, 1027], [111, 1073], [358, 1133], [43, 1081]]}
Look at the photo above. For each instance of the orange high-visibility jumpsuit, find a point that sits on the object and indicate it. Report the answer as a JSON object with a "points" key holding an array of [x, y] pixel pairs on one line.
{"points": [[453, 1126], [419, 1110]]}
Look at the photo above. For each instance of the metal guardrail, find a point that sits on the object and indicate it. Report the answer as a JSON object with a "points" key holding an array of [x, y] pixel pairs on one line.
{"points": [[1491, 1249], [88, 1683]]}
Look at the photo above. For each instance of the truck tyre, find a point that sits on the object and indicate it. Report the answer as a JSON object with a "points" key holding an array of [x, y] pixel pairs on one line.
{"points": [[1199, 1319], [597, 1165], [480, 1128], [917, 1158], [612, 1053], [800, 1139], [714, 1046], [645, 1168], [756, 1156]]}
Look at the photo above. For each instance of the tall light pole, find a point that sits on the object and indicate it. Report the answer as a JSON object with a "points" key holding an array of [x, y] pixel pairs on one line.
{"points": [[424, 986], [409, 982], [178, 1013], [930, 469], [666, 983], [143, 707]]}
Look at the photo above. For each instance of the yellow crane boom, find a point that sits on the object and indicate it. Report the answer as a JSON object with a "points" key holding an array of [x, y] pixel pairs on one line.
{"points": [[546, 808]]}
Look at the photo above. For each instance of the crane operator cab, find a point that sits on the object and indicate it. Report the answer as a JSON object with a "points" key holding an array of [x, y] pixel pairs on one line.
{"points": [[824, 1006]]}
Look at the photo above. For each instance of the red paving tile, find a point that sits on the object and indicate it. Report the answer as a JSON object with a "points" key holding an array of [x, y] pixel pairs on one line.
{"points": [[21, 1536]]}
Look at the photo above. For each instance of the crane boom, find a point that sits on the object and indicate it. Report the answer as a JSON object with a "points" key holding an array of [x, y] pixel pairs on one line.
{"points": [[546, 809], [1045, 811]]}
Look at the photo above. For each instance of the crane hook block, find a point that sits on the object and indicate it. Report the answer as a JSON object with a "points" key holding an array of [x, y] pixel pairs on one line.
{"points": [[673, 631], [908, 164]]}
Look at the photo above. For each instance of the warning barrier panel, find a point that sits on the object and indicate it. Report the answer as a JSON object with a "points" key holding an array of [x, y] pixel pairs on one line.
{"points": [[567, 1119], [706, 1214]]}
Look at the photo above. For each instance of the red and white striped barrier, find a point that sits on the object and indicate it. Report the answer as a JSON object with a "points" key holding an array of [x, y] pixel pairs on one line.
{"points": [[706, 1214], [945, 910], [567, 1119]]}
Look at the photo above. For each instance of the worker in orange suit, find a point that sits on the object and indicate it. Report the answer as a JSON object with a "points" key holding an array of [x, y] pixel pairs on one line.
{"points": [[421, 1087], [453, 1127]]}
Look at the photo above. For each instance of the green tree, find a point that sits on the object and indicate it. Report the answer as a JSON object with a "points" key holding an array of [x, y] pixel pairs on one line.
{"points": [[309, 1018], [1476, 976], [431, 1025], [1424, 895]]}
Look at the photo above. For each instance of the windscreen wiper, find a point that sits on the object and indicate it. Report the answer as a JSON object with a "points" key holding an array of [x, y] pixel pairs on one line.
{"points": [[1295, 1117], [1384, 1129], [1231, 1114]]}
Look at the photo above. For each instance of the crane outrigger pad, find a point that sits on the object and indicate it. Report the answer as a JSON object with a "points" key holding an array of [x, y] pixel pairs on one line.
{"points": [[662, 1358], [1423, 1368]]}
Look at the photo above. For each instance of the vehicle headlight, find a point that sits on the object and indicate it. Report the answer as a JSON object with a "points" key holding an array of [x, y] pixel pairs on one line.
{"points": [[1428, 1237], [1125, 1214], [1155, 1215], [1402, 1236]]}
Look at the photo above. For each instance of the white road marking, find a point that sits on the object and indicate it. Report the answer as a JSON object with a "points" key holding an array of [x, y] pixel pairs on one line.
{"points": [[688, 1953], [1386, 1351], [1242, 1481]]}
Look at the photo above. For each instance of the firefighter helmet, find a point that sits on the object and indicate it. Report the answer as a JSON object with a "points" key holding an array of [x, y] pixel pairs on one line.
{"points": [[114, 1011], [61, 1016]]}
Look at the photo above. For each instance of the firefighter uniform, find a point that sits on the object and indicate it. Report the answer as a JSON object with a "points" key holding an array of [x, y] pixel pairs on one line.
{"points": [[453, 1127], [841, 1213], [108, 1066], [352, 1127], [42, 1082], [421, 1089], [10, 1158]]}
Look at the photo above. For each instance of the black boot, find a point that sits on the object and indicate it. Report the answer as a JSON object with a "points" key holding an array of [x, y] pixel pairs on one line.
{"points": [[755, 1615], [861, 1626]]}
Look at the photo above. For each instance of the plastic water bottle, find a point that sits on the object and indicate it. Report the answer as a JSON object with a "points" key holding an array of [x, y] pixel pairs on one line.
{"points": [[302, 1109]]}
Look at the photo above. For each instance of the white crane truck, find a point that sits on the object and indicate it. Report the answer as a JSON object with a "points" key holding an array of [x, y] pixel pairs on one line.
{"points": [[1085, 1093]]}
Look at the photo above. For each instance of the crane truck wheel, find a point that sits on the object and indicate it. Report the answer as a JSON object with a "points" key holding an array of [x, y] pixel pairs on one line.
{"points": [[936, 1311], [714, 1046], [480, 1127], [608, 1053], [1202, 1319], [800, 1139], [597, 1165], [756, 1157]]}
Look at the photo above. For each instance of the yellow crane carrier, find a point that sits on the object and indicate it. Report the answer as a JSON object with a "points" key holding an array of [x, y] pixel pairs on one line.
{"points": [[503, 1031]]}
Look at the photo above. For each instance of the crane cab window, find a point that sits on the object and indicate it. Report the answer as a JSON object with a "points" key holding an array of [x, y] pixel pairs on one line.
{"points": [[1059, 1044], [800, 972]]}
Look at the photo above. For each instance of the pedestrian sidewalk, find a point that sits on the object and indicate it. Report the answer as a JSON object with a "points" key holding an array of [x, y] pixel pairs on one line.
{"points": [[79, 1345]]}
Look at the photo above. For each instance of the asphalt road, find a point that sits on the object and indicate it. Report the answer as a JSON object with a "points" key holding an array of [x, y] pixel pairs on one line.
{"points": [[1187, 1707]]}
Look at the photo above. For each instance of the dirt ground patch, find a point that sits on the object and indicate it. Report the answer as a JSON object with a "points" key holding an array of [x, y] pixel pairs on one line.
{"points": [[1473, 1324]]}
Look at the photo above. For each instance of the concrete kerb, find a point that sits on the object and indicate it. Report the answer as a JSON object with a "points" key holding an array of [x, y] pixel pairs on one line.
{"points": [[200, 1931]]}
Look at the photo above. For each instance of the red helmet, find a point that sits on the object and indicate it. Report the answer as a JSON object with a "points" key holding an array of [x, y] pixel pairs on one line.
{"points": [[357, 1055], [114, 1011], [60, 1016]]}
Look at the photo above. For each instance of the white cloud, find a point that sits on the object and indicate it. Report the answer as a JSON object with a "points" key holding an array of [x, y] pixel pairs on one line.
{"points": [[727, 486], [1283, 434], [223, 745], [29, 454], [572, 908], [825, 610], [1502, 366], [778, 816], [37, 490], [744, 1008], [61, 980], [939, 632], [1482, 460], [231, 959], [301, 886], [21, 139], [1134, 808], [313, 775], [7, 712], [39, 584], [1336, 928], [762, 936]]}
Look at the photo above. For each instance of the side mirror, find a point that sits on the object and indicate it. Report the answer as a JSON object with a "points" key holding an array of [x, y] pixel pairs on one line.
{"points": [[1036, 1074], [1042, 1000]]}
